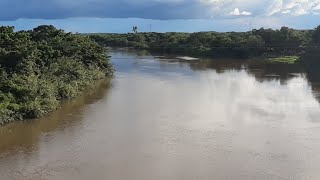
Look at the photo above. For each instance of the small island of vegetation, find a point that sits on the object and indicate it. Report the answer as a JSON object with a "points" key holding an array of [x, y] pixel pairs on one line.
{"points": [[41, 67]]}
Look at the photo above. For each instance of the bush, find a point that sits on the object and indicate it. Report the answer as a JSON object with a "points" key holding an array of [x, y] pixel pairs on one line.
{"points": [[40, 67]]}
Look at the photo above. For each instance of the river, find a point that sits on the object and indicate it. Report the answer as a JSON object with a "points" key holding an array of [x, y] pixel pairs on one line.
{"points": [[165, 118]]}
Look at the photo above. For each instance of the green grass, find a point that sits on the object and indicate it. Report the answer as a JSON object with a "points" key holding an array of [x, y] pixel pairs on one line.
{"points": [[284, 60]]}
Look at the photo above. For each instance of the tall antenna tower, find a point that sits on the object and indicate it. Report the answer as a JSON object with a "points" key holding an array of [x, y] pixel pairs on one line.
{"points": [[251, 23]]}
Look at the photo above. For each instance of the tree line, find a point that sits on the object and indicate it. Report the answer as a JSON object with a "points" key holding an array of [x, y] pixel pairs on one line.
{"points": [[41, 67], [284, 41]]}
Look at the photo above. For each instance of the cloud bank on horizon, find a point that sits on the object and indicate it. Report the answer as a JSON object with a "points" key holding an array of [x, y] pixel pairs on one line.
{"points": [[155, 9]]}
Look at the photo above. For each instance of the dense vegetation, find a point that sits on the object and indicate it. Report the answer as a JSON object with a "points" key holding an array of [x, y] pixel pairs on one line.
{"points": [[41, 67], [311, 59], [285, 41]]}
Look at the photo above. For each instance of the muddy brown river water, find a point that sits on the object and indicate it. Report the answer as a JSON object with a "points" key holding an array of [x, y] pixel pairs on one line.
{"points": [[166, 118]]}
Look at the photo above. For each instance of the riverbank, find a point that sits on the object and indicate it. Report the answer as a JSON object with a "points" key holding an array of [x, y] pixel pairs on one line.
{"points": [[255, 43], [44, 66]]}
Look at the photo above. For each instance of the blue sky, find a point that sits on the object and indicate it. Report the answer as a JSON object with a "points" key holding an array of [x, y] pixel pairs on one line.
{"points": [[160, 15]]}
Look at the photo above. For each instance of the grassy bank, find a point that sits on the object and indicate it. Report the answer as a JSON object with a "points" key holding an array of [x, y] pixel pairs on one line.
{"points": [[41, 67], [284, 60]]}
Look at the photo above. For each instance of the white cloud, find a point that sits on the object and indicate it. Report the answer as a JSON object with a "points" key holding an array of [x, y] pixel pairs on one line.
{"points": [[294, 7], [275, 7], [316, 7], [246, 13], [286, 11], [263, 7], [300, 12], [236, 12]]}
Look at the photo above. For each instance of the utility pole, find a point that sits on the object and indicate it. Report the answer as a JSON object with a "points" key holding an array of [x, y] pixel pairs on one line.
{"points": [[150, 27]]}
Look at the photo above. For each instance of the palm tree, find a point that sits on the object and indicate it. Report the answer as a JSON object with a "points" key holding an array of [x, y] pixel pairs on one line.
{"points": [[135, 29]]}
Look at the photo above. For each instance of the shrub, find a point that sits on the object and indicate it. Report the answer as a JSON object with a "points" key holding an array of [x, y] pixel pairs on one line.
{"points": [[42, 66]]}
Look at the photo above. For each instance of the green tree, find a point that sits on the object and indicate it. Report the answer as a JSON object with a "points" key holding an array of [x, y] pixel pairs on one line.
{"points": [[38, 68], [316, 35]]}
